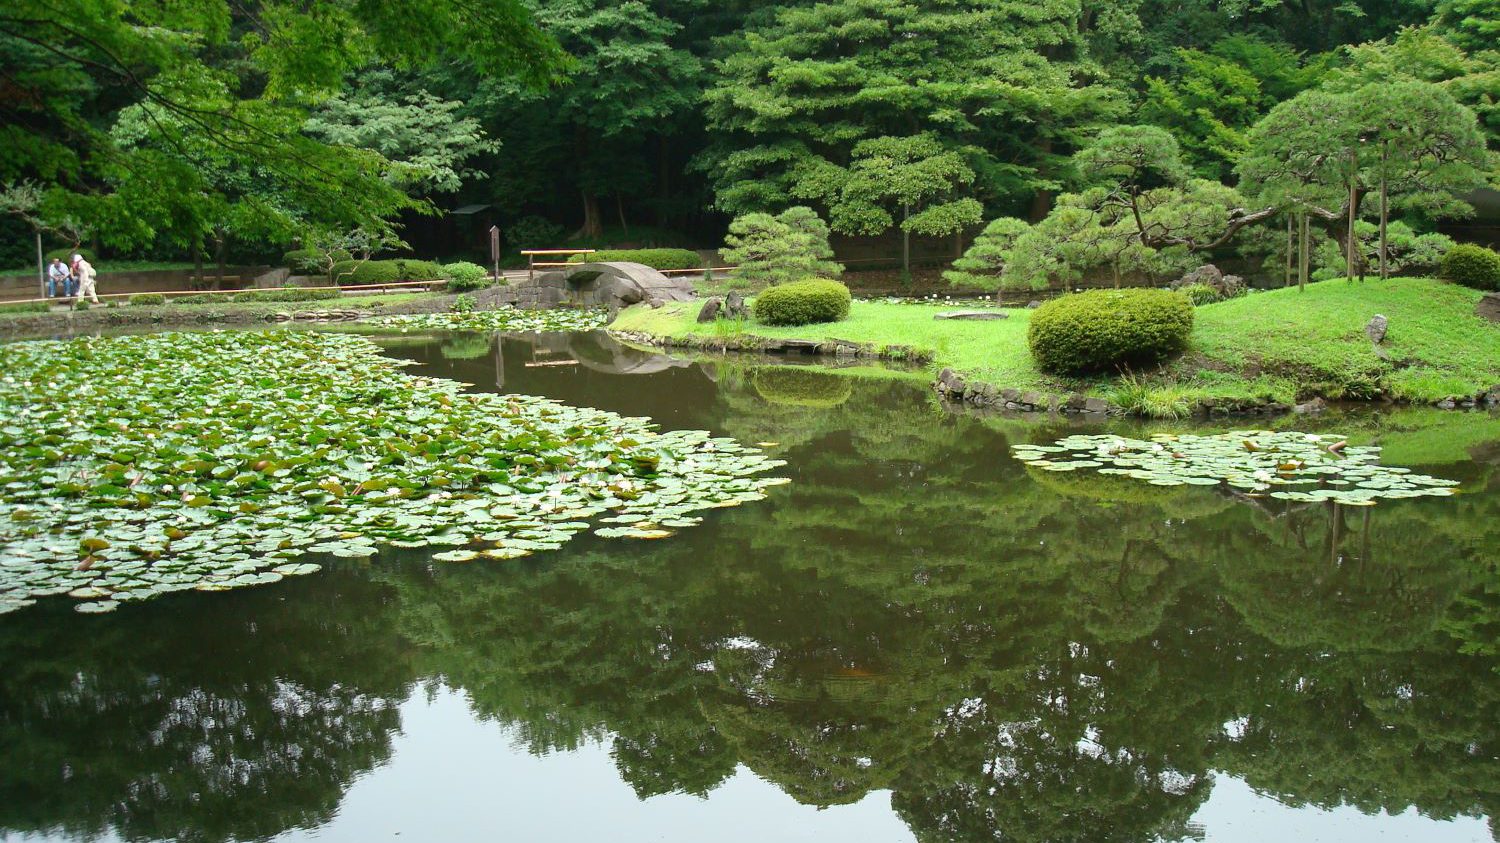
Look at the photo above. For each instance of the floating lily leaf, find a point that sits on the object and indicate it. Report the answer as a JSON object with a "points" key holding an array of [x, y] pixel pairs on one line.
{"points": [[227, 454], [1256, 461], [501, 320]]}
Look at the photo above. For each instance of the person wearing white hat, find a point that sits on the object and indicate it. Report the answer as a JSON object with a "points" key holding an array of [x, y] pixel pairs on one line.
{"points": [[85, 273]]}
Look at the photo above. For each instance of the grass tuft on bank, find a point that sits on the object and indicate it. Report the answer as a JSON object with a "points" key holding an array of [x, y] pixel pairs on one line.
{"points": [[1279, 345]]}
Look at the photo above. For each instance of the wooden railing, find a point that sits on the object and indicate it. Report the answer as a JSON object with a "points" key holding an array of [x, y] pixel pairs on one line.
{"points": [[351, 288]]}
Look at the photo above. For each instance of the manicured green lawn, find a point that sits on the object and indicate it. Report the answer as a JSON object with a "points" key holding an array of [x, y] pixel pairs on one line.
{"points": [[1315, 338], [1279, 345]]}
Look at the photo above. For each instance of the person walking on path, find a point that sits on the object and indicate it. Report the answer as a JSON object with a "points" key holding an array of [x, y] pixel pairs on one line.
{"points": [[85, 274], [57, 278]]}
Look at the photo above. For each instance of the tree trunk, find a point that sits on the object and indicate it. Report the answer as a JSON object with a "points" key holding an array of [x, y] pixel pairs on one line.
{"points": [[1385, 212], [1352, 245], [664, 181], [1303, 256], [1041, 201], [905, 246], [620, 207], [197, 261], [1115, 268], [593, 227], [41, 268], [221, 248], [1291, 244], [958, 244]]}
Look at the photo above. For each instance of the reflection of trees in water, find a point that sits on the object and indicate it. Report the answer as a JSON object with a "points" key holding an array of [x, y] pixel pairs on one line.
{"points": [[227, 719], [1015, 656]]}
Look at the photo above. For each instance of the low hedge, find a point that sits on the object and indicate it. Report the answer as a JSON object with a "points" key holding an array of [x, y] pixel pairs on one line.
{"points": [[146, 300], [359, 273], [1472, 266], [286, 294], [25, 307], [280, 294], [654, 258], [803, 303], [1109, 330], [464, 276]]}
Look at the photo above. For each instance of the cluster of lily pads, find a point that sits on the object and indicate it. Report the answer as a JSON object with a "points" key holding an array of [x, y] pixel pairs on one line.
{"points": [[501, 320], [135, 466], [1283, 465]]}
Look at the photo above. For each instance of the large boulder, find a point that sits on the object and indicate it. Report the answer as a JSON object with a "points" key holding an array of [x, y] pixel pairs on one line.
{"points": [[710, 310], [1227, 286]]}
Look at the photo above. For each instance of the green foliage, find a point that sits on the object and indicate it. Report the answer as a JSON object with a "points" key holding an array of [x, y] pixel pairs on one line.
{"points": [[464, 276], [463, 304], [1109, 330], [181, 124], [80, 304], [1200, 294], [146, 299], [25, 307], [203, 298], [66, 255], [312, 261], [284, 294], [654, 258], [803, 303], [428, 139], [877, 108], [776, 249], [363, 273], [534, 233], [984, 261], [1139, 397], [1472, 266]]}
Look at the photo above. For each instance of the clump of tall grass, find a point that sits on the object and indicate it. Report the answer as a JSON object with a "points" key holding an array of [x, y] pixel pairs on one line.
{"points": [[1138, 397]]}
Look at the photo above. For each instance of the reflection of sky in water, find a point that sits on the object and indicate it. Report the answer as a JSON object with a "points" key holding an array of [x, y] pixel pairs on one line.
{"points": [[455, 778]]}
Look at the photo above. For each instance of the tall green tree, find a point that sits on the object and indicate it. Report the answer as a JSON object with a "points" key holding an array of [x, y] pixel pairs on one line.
{"points": [[233, 77], [953, 99]]}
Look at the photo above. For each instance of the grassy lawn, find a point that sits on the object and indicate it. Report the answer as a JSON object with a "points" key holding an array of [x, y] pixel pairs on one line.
{"points": [[1280, 345]]}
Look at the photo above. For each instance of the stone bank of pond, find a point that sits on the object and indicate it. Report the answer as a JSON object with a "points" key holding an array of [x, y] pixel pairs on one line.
{"points": [[925, 635]]}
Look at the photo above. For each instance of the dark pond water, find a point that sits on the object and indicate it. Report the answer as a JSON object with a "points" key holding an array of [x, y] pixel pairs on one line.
{"points": [[917, 639]]}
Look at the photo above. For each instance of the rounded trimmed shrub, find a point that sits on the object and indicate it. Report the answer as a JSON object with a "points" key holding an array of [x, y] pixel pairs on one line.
{"points": [[146, 299], [464, 276], [803, 303], [1472, 266], [1109, 330], [654, 258]]}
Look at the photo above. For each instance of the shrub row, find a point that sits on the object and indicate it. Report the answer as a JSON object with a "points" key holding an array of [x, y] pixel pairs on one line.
{"points": [[654, 258], [25, 307], [1109, 330], [803, 303], [1472, 266], [360, 273], [146, 300], [284, 294]]}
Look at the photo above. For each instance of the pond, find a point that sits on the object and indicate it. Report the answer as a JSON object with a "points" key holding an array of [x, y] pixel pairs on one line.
{"points": [[920, 637]]}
